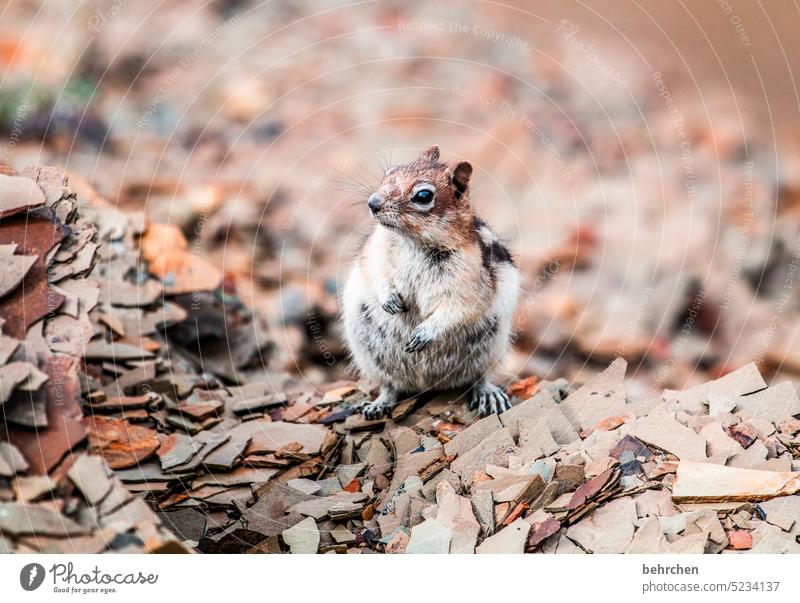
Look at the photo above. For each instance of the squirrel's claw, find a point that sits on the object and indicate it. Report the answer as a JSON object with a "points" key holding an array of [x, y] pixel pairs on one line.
{"points": [[394, 304], [420, 340], [489, 399], [383, 405]]}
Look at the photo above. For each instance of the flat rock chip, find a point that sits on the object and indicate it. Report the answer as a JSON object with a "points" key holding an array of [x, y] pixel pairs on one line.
{"points": [[29, 488], [45, 448], [17, 194], [8, 345], [306, 486], [768, 538], [144, 472], [268, 436], [430, 537], [664, 431], [602, 396], [303, 538], [347, 473], [742, 381], [410, 465], [532, 408], [483, 506], [773, 404], [318, 507], [20, 519], [542, 531], [719, 443], [342, 535], [456, 512], [242, 475], [493, 450], [783, 512], [254, 405], [168, 255], [705, 482], [177, 449], [90, 476], [189, 524], [609, 529], [227, 455], [268, 515], [122, 293], [122, 445], [509, 540], [14, 269], [589, 490], [11, 461], [473, 434], [12, 376], [35, 299]]}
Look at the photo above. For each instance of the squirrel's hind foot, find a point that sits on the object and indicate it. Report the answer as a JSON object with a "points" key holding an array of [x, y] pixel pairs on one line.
{"points": [[488, 399], [382, 405]]}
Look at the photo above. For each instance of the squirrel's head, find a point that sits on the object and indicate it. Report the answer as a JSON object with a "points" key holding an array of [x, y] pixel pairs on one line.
{"points": [[425, 200]]}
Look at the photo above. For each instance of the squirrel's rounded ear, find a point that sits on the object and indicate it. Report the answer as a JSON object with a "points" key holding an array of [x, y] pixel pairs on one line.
{"points": [[460, 172], [430, 154]]}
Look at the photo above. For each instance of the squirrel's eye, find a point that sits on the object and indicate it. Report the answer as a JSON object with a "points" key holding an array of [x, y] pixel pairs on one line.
{"points": [[423, 197]]}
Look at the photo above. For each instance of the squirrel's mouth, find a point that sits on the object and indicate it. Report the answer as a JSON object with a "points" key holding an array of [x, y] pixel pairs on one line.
{"points": [[389, 220]]}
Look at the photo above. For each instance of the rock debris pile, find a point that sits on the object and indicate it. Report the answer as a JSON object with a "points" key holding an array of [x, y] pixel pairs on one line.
{"points": [[141, 413]]}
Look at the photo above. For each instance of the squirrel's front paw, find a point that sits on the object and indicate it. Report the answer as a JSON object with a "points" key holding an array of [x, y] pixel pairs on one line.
{"points": [[420, 339], [393, 303], [379, 408]]}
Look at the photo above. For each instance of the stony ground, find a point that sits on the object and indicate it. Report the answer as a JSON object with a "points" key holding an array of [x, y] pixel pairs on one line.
{"points": [[143, 411], [654, 220]]}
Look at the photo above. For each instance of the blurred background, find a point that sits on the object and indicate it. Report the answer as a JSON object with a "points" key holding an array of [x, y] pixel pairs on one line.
{"points": [[640, 157]]}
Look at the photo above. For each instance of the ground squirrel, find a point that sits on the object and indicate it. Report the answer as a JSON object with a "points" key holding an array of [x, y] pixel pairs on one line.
{"points": [[429, 302]]}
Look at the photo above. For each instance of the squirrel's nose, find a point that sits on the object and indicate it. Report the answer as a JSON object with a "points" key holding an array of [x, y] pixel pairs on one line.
{"points": [[374, 202]]}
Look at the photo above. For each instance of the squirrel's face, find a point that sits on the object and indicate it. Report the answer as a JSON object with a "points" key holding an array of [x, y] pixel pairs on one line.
{"points": [[425, 200]]}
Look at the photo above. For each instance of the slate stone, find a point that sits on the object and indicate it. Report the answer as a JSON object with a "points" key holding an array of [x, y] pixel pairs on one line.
{"points": [[609, 529], [493, 450], [664, 431], [90, 476], [11, 460], [772, 404], [430, 537], [242, 475], [473, 435], [268, 515], [188, 524], [176, 449], [456, 512], [509, 540], [20, 519], [227, 455], [270, 436], [306, 486], [33, 487], [600, 397], [302, 538], [483, 506]]}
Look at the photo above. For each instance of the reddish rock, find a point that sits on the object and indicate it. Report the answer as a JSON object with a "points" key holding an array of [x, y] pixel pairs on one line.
{"points": [[744, 434], [524, 388], [44, 448], [741, 540], [33, 299], [542, 531], [122, 445]]}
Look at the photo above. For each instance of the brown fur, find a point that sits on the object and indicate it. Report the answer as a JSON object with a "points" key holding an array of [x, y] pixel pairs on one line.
{"points": [[450, 207]]}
